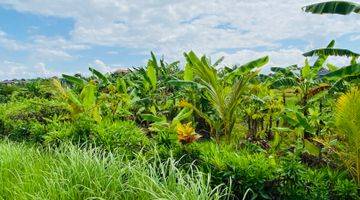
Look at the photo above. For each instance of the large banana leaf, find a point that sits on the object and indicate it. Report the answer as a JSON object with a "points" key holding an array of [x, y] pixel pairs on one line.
{"points": [[343, 72], [154, 60], [341, 86], [151, 74], [322, 58], [283, 83], [246, 68], [332, 67], [88, 97], [188, 73], [284, 70], [331, 52], [58, 88], [99, 75], [181, 83], [306, 71], [183, 114], [74, 80], [218, 61], [252, 65], [333, 7]]}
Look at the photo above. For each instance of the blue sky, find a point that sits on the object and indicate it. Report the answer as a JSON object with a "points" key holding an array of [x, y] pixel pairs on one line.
{"points": [[47, 38]]}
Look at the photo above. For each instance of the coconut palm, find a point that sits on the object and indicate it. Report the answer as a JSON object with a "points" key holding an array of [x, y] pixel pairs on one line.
{"points": [[223, 92]]}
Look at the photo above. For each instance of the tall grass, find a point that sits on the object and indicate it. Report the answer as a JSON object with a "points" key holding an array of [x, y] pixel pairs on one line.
{"points": [[68, 172]]}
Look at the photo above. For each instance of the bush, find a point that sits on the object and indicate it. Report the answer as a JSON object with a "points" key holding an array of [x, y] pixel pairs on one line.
{"points": [[79, 131], [345, 189], [26, 120], [121, 136], [270, 178], [242, 170], [6, 91]]}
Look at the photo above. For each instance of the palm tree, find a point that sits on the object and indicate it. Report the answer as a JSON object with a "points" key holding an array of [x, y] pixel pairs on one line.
{"points": [[222, 91]]}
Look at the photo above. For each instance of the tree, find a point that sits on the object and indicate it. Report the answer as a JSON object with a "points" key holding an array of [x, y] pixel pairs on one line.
{"points": [[223, 92]]}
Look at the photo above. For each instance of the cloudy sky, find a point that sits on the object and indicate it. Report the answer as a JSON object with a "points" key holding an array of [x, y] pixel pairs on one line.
{"points": [[47, 37]]}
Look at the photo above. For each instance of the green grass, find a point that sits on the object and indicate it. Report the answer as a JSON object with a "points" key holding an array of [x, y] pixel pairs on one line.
{"points": [[28, 172]]}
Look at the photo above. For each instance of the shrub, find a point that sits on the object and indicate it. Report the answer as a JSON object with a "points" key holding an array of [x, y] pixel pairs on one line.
{"points": [[242, 170], [120, 135], [270, 178], [345, 189], [79, 131], [26, 119], [6, 91]]}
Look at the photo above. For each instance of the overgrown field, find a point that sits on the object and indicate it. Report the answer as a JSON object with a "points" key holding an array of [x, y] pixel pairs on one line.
{"points": [[198, 133], [195, 130], [89, 173]]}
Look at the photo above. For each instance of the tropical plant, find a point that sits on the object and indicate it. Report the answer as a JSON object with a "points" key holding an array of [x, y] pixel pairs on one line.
{"points": [[186, 133], [348, 123], [222, 92], [85, 102]]}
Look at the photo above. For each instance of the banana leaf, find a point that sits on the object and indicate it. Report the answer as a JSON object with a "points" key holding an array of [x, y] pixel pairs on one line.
{"points": [[333, 7]]}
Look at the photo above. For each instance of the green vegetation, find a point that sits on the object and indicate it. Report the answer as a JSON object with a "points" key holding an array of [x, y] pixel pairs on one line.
{"points": [[201, 130], [72, 173]]}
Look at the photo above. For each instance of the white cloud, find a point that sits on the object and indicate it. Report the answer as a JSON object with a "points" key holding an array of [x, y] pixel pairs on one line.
{"points": [[280, 58], [159, 25], [171, 27], [10, 44], [355, 37], [12, 69], [276, 57], [43, 48], [101, 66], [112, 52]]}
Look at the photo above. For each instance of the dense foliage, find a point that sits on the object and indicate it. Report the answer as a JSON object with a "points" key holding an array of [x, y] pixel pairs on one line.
{"points": [[262, 136], [200, 130]]}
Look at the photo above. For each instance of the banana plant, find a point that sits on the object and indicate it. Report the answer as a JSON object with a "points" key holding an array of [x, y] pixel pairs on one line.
{"points": [[307, 83], [150, 91], [333, 7], [224, 93], [343, 77], [84, 103], [81, 82], [161, 124], [262, 112]]}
